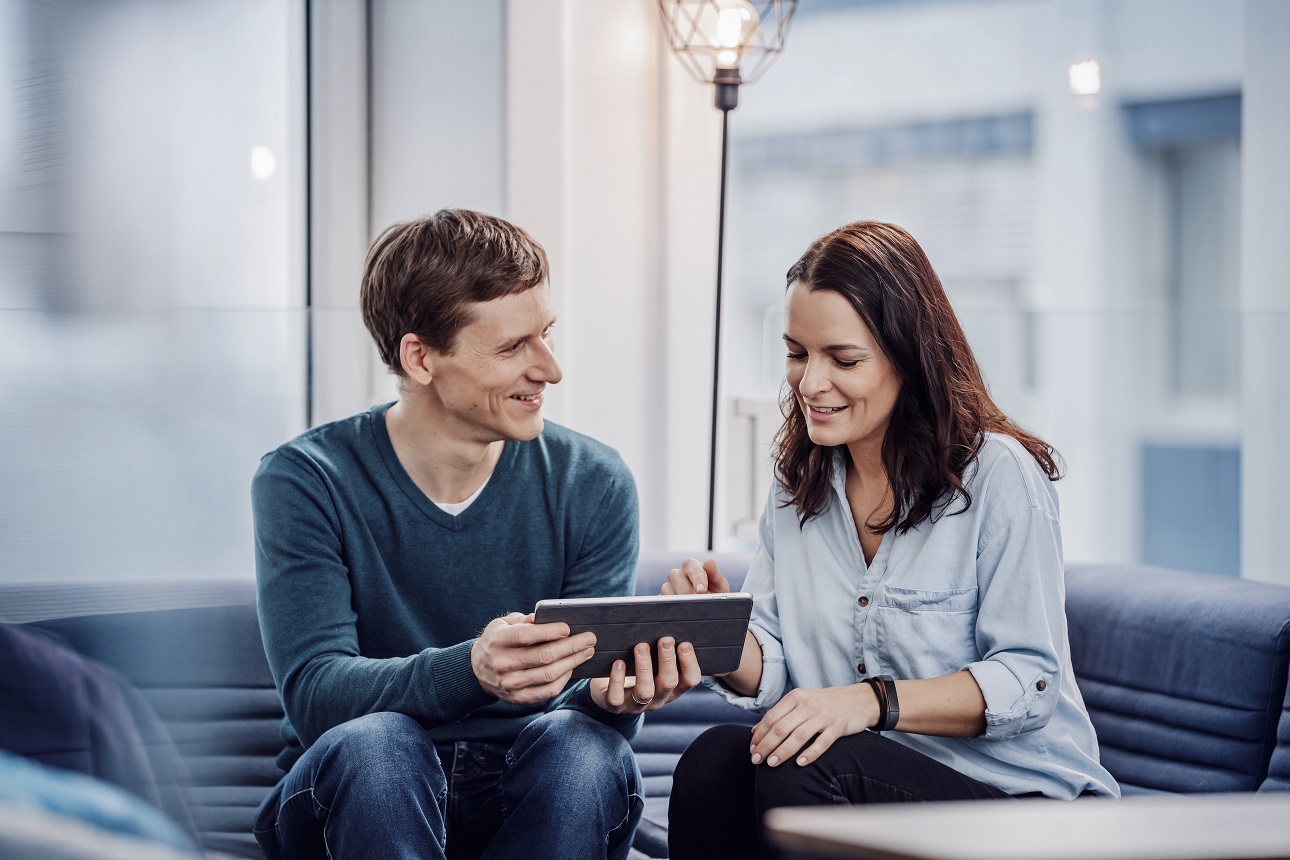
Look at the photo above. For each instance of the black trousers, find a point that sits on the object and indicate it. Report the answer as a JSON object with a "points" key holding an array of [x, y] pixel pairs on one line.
{"points": [[719, 797]]}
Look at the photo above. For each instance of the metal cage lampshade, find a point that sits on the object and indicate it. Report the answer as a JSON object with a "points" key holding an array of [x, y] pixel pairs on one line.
{"points": [[726, 42]]}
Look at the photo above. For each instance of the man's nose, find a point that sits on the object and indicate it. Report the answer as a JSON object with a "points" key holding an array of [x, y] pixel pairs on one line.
{"points": [[546, 368]]}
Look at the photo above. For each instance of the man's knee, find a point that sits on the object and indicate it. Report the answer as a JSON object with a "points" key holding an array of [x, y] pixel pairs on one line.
{"points": [[578, 752], [379, 748]]}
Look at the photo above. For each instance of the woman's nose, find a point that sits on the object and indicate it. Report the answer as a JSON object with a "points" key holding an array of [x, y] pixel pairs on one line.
{"points": [[815, 379]]}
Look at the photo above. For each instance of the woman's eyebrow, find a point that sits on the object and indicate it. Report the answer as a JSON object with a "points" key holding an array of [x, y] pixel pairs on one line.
{"points": [[833, 347]]}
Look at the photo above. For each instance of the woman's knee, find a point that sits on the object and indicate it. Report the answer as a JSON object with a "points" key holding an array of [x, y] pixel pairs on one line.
{"points": [[710, 812], [849, 771], [713, 758]]}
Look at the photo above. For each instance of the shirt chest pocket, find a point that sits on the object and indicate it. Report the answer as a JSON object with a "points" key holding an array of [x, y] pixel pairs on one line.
{"points": [[923, 633]]}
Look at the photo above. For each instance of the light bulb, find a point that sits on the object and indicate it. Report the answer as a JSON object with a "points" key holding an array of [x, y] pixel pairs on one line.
{"points": [[727, 27], [1085, 78], [263, 162]]}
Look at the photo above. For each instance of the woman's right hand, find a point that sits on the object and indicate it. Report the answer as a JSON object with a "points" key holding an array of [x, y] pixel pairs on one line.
{"points": [[695, 578]]}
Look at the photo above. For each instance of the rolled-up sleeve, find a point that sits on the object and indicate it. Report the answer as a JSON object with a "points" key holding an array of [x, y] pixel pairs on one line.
{"points": [[764, 623], [1021, 624]]}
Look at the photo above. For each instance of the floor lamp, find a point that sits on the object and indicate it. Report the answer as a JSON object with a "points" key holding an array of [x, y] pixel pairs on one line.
{"points": [[714, 39]]}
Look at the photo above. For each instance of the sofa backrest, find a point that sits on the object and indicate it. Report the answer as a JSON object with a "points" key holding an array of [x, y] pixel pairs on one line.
{"points": [[1184, 674], [204, 672]]}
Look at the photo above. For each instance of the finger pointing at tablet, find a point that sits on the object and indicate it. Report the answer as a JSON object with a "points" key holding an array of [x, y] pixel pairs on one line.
{"points": [[693, 577]]}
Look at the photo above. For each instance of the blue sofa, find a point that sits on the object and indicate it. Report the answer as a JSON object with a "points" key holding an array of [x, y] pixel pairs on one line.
{"points": [[1185, 676]]}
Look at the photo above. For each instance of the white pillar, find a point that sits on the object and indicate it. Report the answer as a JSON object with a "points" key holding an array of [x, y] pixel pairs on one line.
{"points": [[1265, 292], [602, 169], [1075, 140], [345, 362]]}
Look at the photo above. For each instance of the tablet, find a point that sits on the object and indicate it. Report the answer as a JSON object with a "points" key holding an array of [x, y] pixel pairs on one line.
{"points": [[715, 624]]}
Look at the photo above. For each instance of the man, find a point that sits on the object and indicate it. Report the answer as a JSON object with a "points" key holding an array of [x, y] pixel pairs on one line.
{"points": [[385, 544]]}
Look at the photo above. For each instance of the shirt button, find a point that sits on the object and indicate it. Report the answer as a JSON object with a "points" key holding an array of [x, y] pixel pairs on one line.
{"points": [[1041, 686], [863, 601], [860, 668]]}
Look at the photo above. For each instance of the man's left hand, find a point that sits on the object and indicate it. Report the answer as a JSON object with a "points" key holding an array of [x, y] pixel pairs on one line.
{"points": [[678, 672]]}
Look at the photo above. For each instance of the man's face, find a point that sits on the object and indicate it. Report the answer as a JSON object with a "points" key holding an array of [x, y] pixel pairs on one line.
{"points": [[490, 387]]}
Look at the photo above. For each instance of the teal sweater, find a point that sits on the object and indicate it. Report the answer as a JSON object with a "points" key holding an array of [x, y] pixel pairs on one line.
{"points": [[370, 595]]}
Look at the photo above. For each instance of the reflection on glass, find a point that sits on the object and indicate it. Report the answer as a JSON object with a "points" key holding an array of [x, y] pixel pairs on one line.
{"points": [[151, 304]]}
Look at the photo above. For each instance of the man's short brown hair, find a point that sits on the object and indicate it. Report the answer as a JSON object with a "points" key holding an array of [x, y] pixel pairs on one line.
{"points": [[421, 276]]}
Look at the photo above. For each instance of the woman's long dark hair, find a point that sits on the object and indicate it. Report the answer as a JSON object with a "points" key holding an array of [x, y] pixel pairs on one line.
{"points": [[943, 410]]}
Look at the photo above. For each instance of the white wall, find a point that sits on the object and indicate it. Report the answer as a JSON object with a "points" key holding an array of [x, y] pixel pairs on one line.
{"points": [[438, 107]]}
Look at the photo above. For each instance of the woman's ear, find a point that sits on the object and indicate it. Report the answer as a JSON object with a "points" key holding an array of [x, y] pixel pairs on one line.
{"points": [[417, 359]]}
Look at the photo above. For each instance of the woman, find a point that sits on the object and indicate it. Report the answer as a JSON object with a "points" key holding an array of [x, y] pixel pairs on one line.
{"points": [[908, 579]]}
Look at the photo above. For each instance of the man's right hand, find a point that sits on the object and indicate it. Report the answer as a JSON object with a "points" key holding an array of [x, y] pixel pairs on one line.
{"points": [[695, 578], [522, 662]]}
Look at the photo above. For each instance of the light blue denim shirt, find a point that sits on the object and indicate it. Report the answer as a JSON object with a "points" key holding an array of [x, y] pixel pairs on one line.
{"points": [[981, 590]]}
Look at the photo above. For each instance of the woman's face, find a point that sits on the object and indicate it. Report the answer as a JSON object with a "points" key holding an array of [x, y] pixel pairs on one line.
{"points": [[845, 386]]}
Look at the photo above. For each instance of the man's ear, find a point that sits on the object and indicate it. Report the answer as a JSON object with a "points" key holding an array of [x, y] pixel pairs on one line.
{"points": [[417, 359]]}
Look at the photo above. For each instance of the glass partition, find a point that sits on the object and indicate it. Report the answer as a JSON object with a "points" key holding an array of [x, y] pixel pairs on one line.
{"points": [[152, 291]]}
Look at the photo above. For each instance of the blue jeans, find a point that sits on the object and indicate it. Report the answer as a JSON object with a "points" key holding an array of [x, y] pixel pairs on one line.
{"points": [[378, 787]]}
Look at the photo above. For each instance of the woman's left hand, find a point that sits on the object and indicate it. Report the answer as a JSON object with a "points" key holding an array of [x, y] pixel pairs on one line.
{"points": [[826, 715]]}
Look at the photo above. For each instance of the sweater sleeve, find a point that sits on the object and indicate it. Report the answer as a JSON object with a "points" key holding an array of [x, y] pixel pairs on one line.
{"points": [[309, 625], [604, 565]]}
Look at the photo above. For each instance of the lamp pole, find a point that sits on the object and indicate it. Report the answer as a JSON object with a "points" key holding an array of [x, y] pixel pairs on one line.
{"points": [[726, 99]]}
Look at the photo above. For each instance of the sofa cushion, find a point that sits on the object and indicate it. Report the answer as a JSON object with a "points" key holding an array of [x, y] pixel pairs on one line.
{"points": [[1184, 674]]}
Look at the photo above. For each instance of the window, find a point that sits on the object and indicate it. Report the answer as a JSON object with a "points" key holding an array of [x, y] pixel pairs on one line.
{"points": [[152, 334]]}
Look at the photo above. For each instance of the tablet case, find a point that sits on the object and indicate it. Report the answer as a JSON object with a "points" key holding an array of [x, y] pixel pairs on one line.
{"points": [[715, 624]]}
